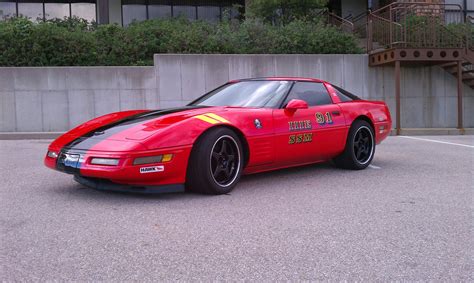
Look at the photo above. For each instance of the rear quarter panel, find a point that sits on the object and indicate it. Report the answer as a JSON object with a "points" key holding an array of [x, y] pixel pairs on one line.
{"points": [[376, 111]]}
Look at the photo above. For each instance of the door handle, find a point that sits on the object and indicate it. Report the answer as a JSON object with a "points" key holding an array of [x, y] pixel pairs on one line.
{"points": [[336, 113]]}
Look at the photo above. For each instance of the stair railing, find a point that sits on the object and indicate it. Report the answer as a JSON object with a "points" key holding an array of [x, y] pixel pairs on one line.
{"points": [[343, 24], [385, 32], [470, 34], [415, 24], [360, 24]]}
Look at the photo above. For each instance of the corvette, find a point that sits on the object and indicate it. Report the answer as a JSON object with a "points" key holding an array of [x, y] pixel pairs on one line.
{"points": [[243, 127]]}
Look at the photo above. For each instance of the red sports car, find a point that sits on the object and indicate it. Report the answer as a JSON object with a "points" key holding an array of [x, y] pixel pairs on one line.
{"points": [[243, 127]]}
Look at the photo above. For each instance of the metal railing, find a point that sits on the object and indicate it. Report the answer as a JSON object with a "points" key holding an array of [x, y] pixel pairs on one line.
{"points": [[360, 24], [335, 20], [470, 34], [383, 33], [470, 19], [416, 25]]}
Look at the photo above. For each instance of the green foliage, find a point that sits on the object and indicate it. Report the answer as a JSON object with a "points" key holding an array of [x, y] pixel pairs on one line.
{"points": [[23, 43], [465, 30], [285, 11], [73, 42], [432, 31], [74, 23]]}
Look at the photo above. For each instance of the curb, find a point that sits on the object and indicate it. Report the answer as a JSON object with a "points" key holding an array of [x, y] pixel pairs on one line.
{"points": [[434, 132], [29, 135]]}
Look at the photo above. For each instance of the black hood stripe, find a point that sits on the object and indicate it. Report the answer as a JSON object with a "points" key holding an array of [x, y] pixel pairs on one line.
{"points": [[90, 139]]}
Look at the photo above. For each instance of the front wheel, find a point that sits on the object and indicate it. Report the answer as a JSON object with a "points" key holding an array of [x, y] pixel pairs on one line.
{"points": [[360, 147], [216, 164]]}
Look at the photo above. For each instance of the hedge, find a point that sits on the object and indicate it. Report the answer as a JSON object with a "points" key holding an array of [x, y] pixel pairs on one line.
{"points": [[284, 11], [74, 42]]}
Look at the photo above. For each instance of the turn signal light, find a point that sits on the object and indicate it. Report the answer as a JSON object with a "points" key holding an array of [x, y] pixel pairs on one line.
{"points": [[167, 157]]}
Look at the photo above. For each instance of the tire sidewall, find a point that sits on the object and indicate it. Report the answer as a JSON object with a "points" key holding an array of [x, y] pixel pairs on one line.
{"points": [[202, 158]]}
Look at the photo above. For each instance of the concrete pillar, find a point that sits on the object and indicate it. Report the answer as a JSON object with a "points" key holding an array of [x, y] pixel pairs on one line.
{"points": [[397, 96], [115, 12], [460, 86]]}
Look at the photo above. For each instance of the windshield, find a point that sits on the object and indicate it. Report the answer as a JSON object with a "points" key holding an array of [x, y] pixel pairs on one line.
{"points": [[254, 94]]}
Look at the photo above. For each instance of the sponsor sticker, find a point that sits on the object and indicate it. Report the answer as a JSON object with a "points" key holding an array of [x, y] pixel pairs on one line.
{"points": [[69, 160], [300, 125], [152, 169], [300, 138]]}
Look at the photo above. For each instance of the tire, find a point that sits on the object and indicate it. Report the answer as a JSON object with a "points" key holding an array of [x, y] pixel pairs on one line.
{"points": [[216, 162], [360, 147]]}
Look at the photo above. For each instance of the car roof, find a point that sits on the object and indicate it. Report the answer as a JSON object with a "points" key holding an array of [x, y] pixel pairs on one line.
{"points": [[300, 79]]}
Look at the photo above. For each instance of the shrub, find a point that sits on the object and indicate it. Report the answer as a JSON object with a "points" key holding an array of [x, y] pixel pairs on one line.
{"points": [[285, 11], [73, 42], [23, 43]]}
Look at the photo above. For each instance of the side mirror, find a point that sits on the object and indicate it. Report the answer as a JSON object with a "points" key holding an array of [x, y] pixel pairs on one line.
{"points": [[296, 104]]}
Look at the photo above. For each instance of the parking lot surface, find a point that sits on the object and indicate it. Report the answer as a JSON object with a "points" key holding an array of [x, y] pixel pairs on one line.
{"points": [[407, 217]]}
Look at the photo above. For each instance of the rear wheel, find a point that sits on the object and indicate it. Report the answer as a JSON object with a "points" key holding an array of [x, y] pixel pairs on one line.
{"points": [[215, 165], [360, 147]]}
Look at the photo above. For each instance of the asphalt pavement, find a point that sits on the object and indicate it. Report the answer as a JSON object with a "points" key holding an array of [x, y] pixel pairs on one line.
{"points": [[407, 217]]}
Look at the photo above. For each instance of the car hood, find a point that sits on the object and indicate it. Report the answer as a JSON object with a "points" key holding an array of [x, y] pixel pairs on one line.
{"points": [[131, 130]]}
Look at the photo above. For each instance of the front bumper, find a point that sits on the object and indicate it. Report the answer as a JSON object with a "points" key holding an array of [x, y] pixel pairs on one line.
{"points": [[125, 173]]}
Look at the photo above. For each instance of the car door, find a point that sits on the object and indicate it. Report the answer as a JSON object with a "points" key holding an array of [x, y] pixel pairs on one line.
{"points": [[308, 135]]}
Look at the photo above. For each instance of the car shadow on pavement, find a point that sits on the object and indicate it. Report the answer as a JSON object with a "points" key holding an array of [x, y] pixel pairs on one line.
{"points": [[263, 178], [248, 184]]}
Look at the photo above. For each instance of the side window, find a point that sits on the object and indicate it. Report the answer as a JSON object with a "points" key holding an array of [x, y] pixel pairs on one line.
{"points": [[344, 95], [313, 93]]}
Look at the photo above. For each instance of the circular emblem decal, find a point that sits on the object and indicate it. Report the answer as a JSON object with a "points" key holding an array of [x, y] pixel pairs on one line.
{"points": [[257, 123]]}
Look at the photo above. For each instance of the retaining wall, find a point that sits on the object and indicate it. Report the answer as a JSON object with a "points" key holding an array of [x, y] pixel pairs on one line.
{"points": [[49, 99], [58, 98], [428, 98]]}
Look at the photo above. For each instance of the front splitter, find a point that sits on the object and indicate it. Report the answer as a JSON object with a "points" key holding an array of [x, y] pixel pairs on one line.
{"points": [[106, 185]]}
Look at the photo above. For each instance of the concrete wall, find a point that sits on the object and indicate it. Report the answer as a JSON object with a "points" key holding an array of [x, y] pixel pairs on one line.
{"points": [[58, 98], [115, 12], [469, 5], [429, 94]]}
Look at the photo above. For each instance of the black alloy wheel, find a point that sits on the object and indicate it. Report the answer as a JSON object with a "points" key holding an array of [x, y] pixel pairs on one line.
{"points": [[363, 144], [225, 160]]}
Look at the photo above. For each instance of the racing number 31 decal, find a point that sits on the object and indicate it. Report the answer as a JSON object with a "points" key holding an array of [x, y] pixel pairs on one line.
{"points": [[323, 119]]}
